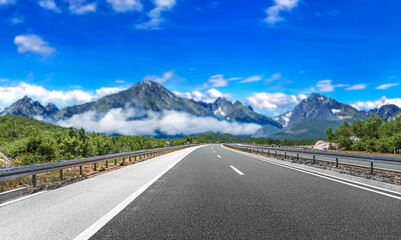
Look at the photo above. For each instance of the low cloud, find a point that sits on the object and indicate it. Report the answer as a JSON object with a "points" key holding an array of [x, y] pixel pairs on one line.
{"points": [[219, 80], [81, 6], [327, 86], [155, 14], [209, 96], [255, 78], [125, 5], [50, 5], [273, 12], [10, 94], [377, 103], [160, 79], [274, 77], [31, 43], [166, 122], [386, 86], [7, 2], [357, 87], [274, 101]]}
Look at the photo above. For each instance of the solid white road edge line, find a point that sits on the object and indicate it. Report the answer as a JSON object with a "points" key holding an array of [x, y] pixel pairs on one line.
{"points": [[218, 156], [335, 179], [22, 198], [238, 171], [94, 228]]}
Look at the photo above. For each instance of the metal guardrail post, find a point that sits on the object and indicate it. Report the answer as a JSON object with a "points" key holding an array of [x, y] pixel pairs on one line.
{"points": [[314, 159], [285, 155], [34, 180], [336, 162], [61, 174], [371, 167], [298, 156], [80, 170], [95, 166]]}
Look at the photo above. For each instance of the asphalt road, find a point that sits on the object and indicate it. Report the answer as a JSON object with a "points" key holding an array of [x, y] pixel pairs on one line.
{"points": [[216, 193]]}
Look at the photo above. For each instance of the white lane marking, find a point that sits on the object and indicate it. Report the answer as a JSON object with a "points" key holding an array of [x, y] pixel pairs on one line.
{"points": [[218, 156], [94, 228], [22, 198], [336, 179], [238, 171]]}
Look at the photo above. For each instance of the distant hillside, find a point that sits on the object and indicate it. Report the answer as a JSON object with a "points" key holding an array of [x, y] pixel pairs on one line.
{"points": [[306, 129], [29, 108]]}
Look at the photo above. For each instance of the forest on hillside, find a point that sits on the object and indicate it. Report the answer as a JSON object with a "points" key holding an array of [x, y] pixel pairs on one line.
{"points": [[373, 135]]}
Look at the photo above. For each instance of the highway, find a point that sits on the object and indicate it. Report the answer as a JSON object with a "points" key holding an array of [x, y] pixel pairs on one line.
{"points": [[207, 192]]}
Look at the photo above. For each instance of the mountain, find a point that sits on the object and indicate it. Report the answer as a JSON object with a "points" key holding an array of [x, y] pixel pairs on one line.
{"points": [[306, 129], [29, 108], [321, 107], [386, 111], [224, 109], [148, 95], [311, 117]]}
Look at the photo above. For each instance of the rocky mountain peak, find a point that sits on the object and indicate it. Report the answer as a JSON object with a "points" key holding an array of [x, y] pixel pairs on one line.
{"points": [[29, 108]]}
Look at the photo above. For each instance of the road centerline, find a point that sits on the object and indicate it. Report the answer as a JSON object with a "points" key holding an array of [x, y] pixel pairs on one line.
{"points": [[238, 171]]}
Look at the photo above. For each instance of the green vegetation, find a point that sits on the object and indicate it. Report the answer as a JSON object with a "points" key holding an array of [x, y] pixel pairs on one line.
{"points": [[376, 135], [29, 141]]}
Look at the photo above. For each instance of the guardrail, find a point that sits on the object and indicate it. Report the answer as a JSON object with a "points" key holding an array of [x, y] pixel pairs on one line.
{"points": [[34, 169], [363, 160]]}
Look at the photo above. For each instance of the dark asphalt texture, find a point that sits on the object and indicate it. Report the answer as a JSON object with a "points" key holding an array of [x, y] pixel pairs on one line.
{"points": [[203, 198]]}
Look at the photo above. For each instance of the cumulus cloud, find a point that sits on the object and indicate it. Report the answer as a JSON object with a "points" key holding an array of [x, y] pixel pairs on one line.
{"points": [[155, 14], [357, 87], [120, 121], [125, 5], [219, 80], [327, 86], [386, 86], [81, 6], [209, 96], [254, 78], [273, 12], [10, 94], [274, 101], [377, 103], [50, 5], [34, 44], [160, 79]]}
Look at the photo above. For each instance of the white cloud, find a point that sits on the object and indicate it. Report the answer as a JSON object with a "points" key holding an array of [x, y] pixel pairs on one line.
{"points": [[327, 86], [254, 78], [119, 81], [155, 14], [10, 94], [387, 86], [274, 77], [125, 5], [81, 7], [273, 12], [166, 122], [166, 76], [209, 96], [34, 44], [7, 2], [357, 87], [4, 79], [377, 103], [270, 101], [17, 20], [219, 80], [49, 4]]}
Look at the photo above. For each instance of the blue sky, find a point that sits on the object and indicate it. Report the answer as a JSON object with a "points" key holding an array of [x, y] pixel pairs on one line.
{"points": [[269, 54]]}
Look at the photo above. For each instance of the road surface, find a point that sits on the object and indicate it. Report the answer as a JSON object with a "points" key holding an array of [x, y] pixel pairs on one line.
{"points": [[212, 193]]}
